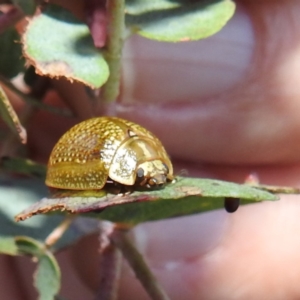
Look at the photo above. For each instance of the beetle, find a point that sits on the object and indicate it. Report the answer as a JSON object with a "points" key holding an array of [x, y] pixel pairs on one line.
{"points": [[108, 150]]}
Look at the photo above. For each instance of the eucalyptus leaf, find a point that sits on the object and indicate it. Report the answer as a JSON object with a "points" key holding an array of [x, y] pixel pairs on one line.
{"points": [[57, 44], [47, 276], [185, 196], [29, 246], [19, 193], [176, 21]]}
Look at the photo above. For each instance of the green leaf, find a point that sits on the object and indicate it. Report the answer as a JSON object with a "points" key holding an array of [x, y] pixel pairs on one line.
{"points": [[29, 246], [8, 245], [58, 44], [136, 7], [11, 59], [19, 193], [176, 21], [184, 197], [47, 276], [10, 117]]}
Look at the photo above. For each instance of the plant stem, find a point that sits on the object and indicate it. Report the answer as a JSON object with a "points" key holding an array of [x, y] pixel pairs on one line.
{"points": [[11, 117], [113, 53], [110, 264], [110, 267], [11, 145], [58, 232], [138, 265]]}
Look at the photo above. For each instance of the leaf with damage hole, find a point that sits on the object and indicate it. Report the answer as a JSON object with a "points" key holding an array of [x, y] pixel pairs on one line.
{"points": [[185, 196], [58, 44]]}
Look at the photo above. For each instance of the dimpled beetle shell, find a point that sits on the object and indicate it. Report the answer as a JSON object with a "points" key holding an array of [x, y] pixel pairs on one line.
{"points": [[98, 148]]}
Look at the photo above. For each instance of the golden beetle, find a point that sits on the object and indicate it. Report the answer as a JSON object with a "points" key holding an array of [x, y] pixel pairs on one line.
{"points": [[108, 149]]}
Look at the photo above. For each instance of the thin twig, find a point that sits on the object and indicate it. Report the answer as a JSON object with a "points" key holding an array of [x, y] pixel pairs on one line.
{"points": [[58, 232], [139, 266], [113, 53], [11, 145], [110, 264]]}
